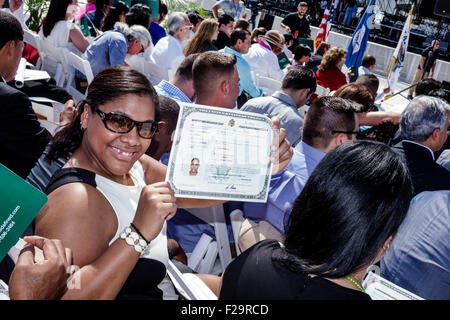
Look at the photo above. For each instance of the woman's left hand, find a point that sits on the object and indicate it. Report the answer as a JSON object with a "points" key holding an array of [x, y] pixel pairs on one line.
{"points": [[281, 148]]}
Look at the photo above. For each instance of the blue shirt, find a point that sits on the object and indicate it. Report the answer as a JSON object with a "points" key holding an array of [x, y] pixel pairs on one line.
{"points": [[246, 81], [285, 187], [282, 105], [157, 32], [166, 89], [418, 259], [107, 50]]}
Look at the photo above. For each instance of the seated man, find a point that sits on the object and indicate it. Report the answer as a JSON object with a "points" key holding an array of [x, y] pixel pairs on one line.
{"points": [[22, 138], [110, 48], [298, 85], [226, 28], [181, 86], [419, 257], [329, 122], [262, 56], [168, 52], [240, 44], [162, 142], [424, 128]]}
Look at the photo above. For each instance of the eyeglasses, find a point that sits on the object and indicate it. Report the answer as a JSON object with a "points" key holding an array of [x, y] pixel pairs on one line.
{"points": [[119, 123], [346, 132], [188, 27]]}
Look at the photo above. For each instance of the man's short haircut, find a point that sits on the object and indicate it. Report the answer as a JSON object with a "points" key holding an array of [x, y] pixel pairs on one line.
{"points": [[370, 81], [184, 70], [209, 69], [300, 77], [176, 21], [238, 34], [225, 19], [301, 50], [325, 115], [357, 93], [368, 60], [440, 93], [10, 29], [168, 112], [302, 4], [425, 86], [422, 115]]}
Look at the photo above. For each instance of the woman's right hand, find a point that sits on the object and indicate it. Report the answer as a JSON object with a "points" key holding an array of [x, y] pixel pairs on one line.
{"points": [[156, 205]]}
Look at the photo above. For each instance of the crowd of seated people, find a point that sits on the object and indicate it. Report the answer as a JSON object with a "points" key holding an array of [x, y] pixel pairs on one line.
{"points": [[104, 167]]}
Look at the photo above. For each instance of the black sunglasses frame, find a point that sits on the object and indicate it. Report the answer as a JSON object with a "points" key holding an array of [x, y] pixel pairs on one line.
{"points": [[104, 116]]}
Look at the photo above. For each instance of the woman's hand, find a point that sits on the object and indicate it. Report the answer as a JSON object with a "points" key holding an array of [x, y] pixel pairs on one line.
{"points": [[156, 205]]}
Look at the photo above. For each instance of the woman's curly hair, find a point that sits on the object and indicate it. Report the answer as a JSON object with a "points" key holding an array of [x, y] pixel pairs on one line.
{"points": [[331, 58]]}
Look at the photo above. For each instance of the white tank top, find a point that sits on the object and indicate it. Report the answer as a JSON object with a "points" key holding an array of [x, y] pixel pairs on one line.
{"points": [[124, 200]]}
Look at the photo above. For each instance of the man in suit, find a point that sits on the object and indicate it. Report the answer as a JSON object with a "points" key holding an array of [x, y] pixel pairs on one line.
{"points": [[424, 126], [22, 139]]}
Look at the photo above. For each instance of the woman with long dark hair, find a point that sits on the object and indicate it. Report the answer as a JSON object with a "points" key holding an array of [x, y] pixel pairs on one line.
{"points": [[58, 28], [115, 14], [341, 223]]}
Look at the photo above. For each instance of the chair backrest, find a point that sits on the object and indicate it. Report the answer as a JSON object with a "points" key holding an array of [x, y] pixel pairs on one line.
{"points": [[32, 39], [267, 84], [81, 65], [74, 62], [154, 73]]}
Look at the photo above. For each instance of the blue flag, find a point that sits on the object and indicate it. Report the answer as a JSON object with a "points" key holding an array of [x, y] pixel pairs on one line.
{"points": [[358, 44]]}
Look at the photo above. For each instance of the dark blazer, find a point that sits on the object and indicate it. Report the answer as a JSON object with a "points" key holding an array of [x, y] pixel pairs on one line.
{"points": [[22, 139], [426, 174]]}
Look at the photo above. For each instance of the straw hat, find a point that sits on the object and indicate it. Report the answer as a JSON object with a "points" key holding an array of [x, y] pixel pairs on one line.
{"points": [[275, 38]]}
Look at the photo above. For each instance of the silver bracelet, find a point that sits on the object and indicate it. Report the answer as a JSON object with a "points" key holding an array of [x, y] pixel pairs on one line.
{"points": [[134, 239]]}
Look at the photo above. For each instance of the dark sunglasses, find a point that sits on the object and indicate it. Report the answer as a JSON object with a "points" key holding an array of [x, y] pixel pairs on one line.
{"points": [[122, 124], [346, 132]]}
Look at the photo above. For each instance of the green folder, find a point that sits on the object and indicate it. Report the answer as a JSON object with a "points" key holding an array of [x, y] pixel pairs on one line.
{"points": [[20, 202]]}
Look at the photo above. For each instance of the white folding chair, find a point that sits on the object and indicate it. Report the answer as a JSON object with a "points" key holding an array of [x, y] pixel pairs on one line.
{"points": [[32, 39], [154, 73], [215, 216], [267, 84], [188, 285], [76, 62], [236, 217]]}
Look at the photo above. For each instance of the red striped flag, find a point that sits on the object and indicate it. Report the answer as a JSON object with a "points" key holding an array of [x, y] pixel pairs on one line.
{"points": [[325, 24]]}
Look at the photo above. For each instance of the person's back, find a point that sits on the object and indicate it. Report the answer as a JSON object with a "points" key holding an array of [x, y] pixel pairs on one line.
{"points": [[424, 128], [261, 57], [242, 279], [418, 259], [108, 49]]}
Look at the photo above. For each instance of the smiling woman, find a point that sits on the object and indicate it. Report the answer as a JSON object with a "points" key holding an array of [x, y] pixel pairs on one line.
{"points": [[109, 203]]}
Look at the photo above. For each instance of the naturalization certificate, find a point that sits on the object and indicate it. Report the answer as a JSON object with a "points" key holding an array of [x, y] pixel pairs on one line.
{"points": [[220, 153]]}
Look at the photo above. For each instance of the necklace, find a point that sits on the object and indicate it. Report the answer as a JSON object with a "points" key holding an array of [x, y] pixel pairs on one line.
{"points": [[355, 283]]}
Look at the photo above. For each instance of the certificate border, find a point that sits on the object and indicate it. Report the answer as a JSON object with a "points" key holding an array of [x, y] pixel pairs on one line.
{"points": [[187, 109]]}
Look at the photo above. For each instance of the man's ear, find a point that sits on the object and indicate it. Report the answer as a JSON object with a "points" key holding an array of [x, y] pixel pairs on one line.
{"points": [[162, 127], [224, 87]]}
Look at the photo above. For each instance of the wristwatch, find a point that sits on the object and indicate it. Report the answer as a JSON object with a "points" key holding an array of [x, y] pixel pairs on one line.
{"points": [[134, 239]]}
